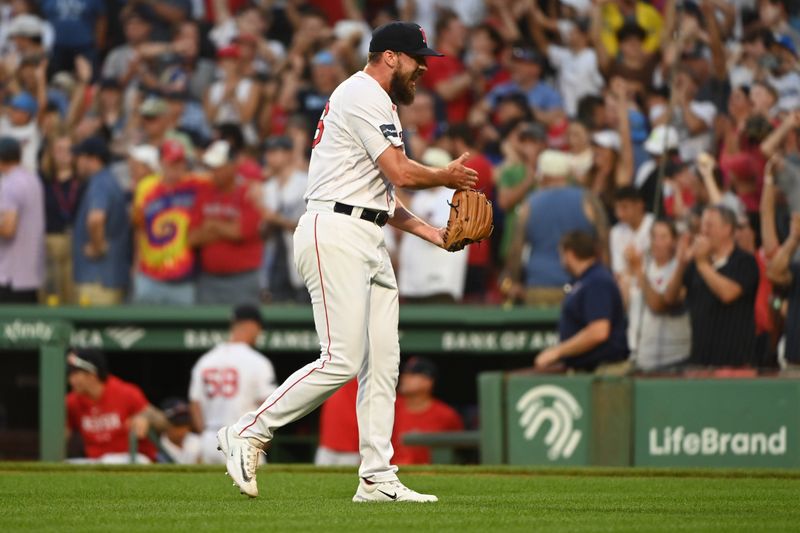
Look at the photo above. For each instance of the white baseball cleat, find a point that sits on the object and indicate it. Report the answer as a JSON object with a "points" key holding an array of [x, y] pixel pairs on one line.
{"points": [[389, 491], [241, 459]]}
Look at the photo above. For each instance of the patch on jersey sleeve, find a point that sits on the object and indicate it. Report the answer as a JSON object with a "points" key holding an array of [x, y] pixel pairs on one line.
{"points": [[389, 130]]}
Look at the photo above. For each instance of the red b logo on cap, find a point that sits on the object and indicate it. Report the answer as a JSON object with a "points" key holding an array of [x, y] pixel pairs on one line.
{"points": [[424, 38]]}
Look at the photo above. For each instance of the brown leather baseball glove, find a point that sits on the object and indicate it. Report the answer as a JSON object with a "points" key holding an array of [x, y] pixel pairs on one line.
{"points": [[470, 220]]}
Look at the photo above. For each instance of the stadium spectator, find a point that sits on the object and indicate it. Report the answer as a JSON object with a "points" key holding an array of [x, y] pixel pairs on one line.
{"points": [[283, 205], [162, 209], [26, 33], [418, 411], [784, 271], [224, 227], [80, 29], [20, 123], [63, 191], [659, 336], [427, 273], [718, 281], [517, 174], [233, 98], [338, 429], [22, 227], [632, 231], [592, 327], [527, 72], [633, 63], [575, 61], [229, 380], [104, 410], [554, 210], [177, 443], [615, 14], [101, 242], [123, 62], [447, 76]]}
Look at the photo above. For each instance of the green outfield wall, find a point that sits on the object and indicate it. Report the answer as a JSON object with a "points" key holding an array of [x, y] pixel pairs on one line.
{"points": [[588, 420]]}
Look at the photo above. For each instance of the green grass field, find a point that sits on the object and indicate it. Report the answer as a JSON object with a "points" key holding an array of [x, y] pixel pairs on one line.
{"points": [[61, 498]]}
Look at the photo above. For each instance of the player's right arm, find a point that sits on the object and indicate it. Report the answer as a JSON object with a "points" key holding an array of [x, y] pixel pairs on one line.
{"points": [[408, 174]]}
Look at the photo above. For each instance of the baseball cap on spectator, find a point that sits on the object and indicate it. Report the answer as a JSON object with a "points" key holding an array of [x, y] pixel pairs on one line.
{"points": [[92, 361], [25, 25], [631, 30], [406, 37], [527, 55], [172, 151], [247, 312], [607, 139], [147, 155], [533, 131], [662, 139], [323, 58], [420, 365], [24, 101], [786, 42], [553, 163], [229, 52], [278, 142], [93, 146], [176, 411], [218, 154], [153, 107], [110, 83], [10, 150], [436, 157]]}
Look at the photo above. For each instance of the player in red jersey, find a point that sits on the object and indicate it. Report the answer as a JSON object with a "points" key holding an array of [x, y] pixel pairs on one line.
{"points": [[103, 409]]}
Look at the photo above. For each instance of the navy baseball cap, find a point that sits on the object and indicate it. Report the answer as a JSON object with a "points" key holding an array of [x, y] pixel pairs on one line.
{"points": [[420, 365], [247, 312], [92, 361], [93, 146], [406, 37]]}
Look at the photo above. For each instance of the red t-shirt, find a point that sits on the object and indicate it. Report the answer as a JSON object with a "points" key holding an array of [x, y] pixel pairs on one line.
{"points": [[438, 417], [104, 424], [442, 69], [224, 257], [480, 254], [764, 323], [338, 425]]}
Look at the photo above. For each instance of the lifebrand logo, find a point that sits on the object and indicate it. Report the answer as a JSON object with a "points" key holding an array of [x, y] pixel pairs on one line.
{"points": [[712, 441], [550, 403]]}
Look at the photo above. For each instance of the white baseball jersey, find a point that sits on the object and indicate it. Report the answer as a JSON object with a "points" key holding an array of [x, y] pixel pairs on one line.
{"points": [[358, 124], [230, 379]]}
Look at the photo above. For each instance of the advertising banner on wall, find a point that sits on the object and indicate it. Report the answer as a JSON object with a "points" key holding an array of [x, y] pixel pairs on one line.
{"points": [[709, 423]]}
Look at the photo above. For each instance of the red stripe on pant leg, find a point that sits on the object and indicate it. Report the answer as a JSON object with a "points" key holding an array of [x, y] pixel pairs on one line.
{"points": [[327, 329]]}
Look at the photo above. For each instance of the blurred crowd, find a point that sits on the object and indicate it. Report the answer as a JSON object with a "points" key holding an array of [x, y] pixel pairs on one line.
{"points": [[156, 152]]}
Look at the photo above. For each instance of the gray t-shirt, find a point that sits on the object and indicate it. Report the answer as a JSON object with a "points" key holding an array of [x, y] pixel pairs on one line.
{"points": [[22, 256]]}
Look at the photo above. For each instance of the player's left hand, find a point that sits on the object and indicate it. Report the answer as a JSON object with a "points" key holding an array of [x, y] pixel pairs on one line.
{"points": [[547, 358]]}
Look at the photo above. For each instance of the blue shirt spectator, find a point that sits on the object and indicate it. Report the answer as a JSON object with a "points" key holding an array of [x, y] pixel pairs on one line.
{"points": [[102, 238], [74, 21], [542, 95]]}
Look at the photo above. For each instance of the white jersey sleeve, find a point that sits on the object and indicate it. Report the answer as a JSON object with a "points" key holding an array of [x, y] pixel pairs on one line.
{"points": [[196, 384], [359, 123]]}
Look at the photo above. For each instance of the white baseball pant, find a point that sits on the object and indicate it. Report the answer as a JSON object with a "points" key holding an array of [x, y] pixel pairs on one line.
{"points": [[346, 268]]}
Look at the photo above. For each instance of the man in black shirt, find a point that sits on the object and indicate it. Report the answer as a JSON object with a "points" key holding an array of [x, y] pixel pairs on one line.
{"points": [[783, 272], [718, 282]]}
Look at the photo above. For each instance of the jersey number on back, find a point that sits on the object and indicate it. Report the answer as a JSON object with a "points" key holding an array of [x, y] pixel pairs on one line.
{"points": [[320, 125], [221, 382]]}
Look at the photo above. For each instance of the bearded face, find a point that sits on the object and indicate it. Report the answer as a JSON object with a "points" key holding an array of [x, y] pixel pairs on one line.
{"points": [[403, 86]]}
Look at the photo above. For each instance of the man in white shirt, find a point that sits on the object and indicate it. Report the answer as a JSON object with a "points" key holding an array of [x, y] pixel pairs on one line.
{"points": [[357, 160], [428, 273], [230, 379], [633, 228], [20, 124]]}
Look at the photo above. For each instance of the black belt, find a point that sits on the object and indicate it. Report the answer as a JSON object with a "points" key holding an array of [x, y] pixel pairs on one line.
{"points": [[370, 215]]}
